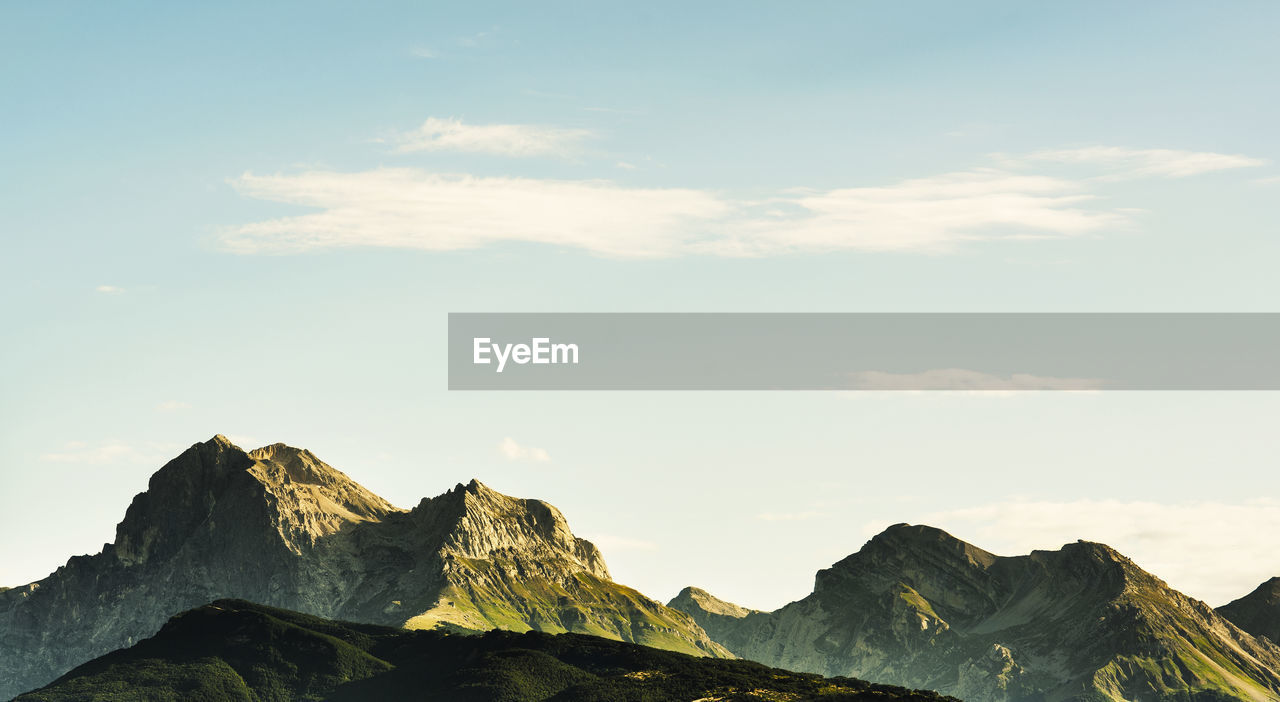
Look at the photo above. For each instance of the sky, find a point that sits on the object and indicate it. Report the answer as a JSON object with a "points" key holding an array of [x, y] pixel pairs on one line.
{"points": [[254, 220]]}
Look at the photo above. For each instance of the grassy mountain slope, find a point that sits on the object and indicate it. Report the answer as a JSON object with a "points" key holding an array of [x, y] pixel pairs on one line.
{"points": [[235, 650]]}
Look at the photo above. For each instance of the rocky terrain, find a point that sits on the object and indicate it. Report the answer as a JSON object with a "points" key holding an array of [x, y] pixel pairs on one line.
{"points": [[280, 527], [1257, 612], [918, 607], [236, 650]]}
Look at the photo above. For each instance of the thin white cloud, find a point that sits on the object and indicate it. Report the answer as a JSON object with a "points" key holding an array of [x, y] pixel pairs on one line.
{"points": [[172, 406], [968, 380], [1159, 163], [925, 214], [513, 451], [423, 53], [1215, 551], [412, 209], [437, 134], [109, 289], [625, 166], [608, 543], [789, 516]]}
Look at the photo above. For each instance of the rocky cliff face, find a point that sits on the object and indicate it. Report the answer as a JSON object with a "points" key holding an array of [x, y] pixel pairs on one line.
{"points": [[280, 527], [919, 607], [1258, 612]]}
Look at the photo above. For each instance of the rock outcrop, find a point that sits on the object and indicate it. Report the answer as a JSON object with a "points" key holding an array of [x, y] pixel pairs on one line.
{"points": [[280, 527], [918, 607]]}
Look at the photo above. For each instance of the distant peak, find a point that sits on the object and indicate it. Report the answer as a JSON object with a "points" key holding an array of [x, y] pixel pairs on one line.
{"points": [[692, 597], [280, 450], [911, 542], [475, 488], [1095, 550], [219, 442], [924, 536]]}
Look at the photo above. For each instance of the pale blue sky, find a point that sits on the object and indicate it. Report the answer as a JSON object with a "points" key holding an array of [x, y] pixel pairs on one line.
{"points": [[213, 221]]}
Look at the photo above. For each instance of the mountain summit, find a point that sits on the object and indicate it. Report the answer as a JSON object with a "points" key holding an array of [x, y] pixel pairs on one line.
{"points": [[279, 526], [919, 607], [1257, 612]]}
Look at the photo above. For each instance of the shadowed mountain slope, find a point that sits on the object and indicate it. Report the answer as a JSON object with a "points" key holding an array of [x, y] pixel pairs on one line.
{"points": [[918, 607], [235, 650], [279, 526], [1257, 612]]}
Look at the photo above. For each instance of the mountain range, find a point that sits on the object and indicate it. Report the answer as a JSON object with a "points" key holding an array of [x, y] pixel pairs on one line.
{"points": [[290, 551], [280, 527], [919, 607]]}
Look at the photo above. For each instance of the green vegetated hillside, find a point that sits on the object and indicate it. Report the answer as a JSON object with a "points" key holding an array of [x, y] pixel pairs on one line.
{"points": [[236, 650], [920, 608]]}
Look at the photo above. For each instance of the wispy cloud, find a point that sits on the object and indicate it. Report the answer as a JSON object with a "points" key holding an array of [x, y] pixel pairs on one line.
{"points": [[414, 209], [109, 289], [437, 134], [423, 53], [1216, 551], [478, 39], [410, 208], [968, 380], [1138, 163], [513, 451], [925, 214], [172, 406]]}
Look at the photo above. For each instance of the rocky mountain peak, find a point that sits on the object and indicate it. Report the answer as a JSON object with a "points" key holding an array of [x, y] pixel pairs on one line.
{"points": [[693, 599], [1269, 591], [179, 497], [481, 522], [312, 485], [1257, 612], [914, 539]]}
